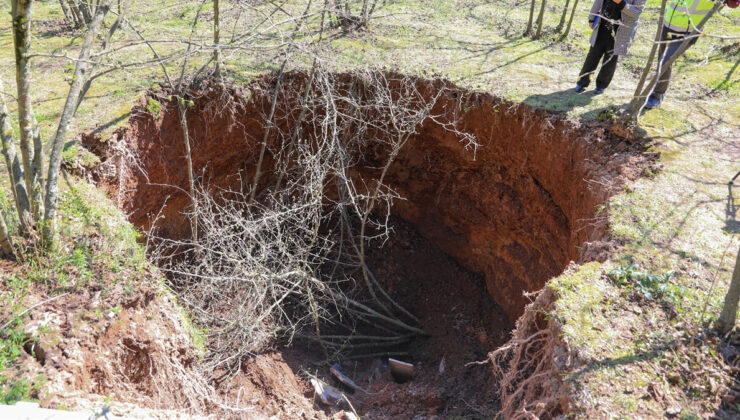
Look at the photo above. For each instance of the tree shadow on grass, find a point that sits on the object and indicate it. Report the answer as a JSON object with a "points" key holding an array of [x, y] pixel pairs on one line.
{"points": [[110, 123], [732, 225], [606, 363], [561, 101]]}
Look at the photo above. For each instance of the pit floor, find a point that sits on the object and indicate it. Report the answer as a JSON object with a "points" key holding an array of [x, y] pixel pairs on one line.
{"points": [[464, 324]]}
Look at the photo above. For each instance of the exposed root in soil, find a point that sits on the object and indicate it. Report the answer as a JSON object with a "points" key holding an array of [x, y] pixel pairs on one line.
{"points": [[529, 366]]}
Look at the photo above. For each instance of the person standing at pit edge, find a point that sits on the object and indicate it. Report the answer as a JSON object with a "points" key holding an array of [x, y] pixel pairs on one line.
{"points": [[681, 17], [615, 24]]}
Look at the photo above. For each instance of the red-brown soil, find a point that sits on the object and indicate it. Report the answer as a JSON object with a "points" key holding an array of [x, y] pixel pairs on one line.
{"points": [[517, 211], [502, 221], [129, 348]]}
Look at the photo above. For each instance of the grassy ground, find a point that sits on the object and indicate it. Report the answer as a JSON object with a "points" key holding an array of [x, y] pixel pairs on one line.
{"points": [[678, 220]]}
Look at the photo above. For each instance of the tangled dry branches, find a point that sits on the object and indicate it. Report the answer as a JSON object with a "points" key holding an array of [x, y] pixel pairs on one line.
{"points": [[294, 255]]}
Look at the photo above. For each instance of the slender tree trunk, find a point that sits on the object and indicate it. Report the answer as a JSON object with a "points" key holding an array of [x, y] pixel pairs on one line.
{"points": [[364, 14], [663, 67], [540, 18], [570, 21], [183, 108], [79, 21], [216, 35], [31, 148], [531, 19], [563, 16], [55, 161], [6, 243], [727, 318], [638, 100], [15, 170], [85, 9], [372, 10], [266, 137], [65, 10]]}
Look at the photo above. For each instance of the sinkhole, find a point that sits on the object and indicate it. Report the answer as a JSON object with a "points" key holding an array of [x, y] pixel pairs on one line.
{"points": [[472, 228]]}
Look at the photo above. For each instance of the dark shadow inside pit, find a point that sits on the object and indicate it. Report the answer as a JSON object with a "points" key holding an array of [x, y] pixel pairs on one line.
{"points": [[463, 321], [471, 234]]}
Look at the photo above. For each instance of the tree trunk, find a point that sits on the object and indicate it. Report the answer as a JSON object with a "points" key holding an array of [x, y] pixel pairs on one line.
{"points": [[727, 318], [570, 21], [662, 67], [371, 11], [55, 161], [65, 10], [183, 108], [76, 14], [563, 16], [266, 137], [531, 19], [15, 170], [6, 243], [85, 9], [216, 35], [540, 18], [31, 148], [638, 100]]}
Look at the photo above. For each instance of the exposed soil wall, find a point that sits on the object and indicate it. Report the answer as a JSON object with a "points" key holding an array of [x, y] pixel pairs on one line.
{"points": [[517, 211]]}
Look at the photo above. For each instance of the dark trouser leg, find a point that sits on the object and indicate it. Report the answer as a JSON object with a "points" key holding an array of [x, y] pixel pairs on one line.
{"points": [[589, 66], [665, 54], [608, 67], [667, 51]]}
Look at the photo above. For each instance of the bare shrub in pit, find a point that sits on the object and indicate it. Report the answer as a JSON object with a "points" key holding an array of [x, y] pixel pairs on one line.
{"points": [[294, 256]]}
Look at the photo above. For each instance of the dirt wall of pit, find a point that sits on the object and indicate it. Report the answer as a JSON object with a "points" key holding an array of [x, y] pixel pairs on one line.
{"points": [[517, 210]]}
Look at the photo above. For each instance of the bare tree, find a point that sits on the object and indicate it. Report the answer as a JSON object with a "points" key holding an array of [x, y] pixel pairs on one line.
{"points": [[34, 201], [78, 12], [15, 168], [216, 37], [30, 137], [55, 160], [343, 15]]}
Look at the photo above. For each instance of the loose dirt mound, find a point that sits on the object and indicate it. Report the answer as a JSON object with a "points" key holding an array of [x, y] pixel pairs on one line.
{"points": [[136, 353]]}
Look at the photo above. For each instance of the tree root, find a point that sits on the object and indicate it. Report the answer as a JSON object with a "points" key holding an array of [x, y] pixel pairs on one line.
{"points": [[529, 366]]}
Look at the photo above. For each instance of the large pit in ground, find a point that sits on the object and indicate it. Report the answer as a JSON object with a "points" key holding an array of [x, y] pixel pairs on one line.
{"points": [[473, 231]]}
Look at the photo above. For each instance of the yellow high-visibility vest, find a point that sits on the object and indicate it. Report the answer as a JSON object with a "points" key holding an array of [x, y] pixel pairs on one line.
{"points": [[684, 15]]}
